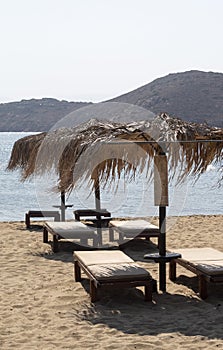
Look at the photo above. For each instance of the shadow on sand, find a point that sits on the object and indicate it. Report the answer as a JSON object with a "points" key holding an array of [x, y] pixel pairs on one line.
{"points": [[169, 313]]}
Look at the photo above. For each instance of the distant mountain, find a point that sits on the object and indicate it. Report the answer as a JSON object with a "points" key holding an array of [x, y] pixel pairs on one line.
{"points": [[35, 114], [192, 96]]}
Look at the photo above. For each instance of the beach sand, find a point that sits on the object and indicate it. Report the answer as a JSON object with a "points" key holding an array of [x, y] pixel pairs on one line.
{"points": [[42, 307]]}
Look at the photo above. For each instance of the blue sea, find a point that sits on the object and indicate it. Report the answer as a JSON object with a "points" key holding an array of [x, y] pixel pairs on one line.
{"points": [[130, 200]]}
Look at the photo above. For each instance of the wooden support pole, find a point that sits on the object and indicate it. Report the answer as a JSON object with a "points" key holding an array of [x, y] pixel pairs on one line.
{"points": [[95, 177], [161, 200], [162, 228], [161, 180], [62, 196], [162, 248]]}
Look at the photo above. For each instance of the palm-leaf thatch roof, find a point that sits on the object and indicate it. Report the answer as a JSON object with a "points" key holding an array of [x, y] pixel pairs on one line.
{"points": [[112, 148]]}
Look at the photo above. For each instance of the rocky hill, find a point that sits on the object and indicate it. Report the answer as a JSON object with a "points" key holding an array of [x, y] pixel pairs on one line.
{"points": [[193, 96], [34, 114]]}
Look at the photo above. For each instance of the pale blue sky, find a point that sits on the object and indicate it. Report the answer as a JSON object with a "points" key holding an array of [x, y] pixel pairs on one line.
{"points": [[93, 50]]}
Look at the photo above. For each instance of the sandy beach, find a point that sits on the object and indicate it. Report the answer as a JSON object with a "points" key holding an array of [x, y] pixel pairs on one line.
{"points": [[42, 307]]}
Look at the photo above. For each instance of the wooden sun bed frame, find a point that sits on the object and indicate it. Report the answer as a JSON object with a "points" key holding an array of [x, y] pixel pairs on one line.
{"points": [[91, 212], [41, 214], [200, 268], [117, 281], [98, 217], [83, 233], [146, 231]]}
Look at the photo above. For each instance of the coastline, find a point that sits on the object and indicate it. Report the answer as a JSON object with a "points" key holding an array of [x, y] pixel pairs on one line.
{"points": [[43, 308]]}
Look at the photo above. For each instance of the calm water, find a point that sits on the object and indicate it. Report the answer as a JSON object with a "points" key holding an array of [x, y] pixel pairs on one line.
{"points": [[136, 199]]}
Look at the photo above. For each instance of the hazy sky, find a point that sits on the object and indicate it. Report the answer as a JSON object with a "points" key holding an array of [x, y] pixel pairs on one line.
{"points": [[93, 50]]}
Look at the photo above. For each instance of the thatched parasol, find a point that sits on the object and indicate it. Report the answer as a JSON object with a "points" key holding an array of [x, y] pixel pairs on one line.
{"points": [[101, 151], [189, 145]]}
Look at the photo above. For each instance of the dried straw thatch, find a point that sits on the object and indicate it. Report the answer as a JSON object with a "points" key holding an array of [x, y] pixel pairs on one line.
{"points": [[112, 148]]}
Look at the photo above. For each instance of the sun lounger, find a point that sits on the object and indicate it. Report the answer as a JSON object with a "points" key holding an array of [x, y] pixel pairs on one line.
{"points": [[132, 229], [68, 230], [111, 268], [41, 214], [206, 263], [100, 216]]}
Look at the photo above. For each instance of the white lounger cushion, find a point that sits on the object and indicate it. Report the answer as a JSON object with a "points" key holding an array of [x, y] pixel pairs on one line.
{"points": [[100, 257], [70, 229], [133, 226], [112, 265], [207, 260]]}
